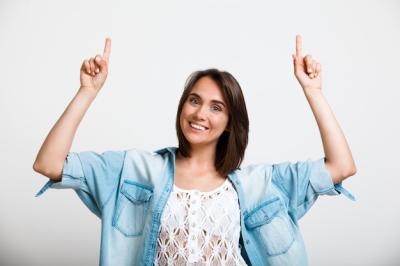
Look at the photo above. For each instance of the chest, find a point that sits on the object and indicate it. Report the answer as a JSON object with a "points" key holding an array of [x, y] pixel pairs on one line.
{"points": [[212, 208], [195, 225], [196, 179]]}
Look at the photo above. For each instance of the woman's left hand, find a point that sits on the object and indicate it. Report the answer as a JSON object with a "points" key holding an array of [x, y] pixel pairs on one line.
{"points": [[306, 69]]}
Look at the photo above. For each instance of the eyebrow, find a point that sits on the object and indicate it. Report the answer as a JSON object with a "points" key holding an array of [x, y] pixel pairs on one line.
{"points": [[215, 101]]}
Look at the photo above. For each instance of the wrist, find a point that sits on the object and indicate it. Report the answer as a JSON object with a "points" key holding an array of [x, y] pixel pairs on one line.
{"points": [[88, 92], [312, 92]]}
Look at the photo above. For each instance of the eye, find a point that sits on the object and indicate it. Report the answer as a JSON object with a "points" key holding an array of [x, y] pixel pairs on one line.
{"points": [[193, 100], [216, 108]]}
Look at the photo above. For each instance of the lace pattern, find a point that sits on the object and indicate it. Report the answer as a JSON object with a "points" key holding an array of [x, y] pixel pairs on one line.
{"points": [[200, 228]]}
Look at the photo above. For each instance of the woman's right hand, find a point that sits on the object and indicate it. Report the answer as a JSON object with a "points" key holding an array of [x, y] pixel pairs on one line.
{"points": [[94, 70]]}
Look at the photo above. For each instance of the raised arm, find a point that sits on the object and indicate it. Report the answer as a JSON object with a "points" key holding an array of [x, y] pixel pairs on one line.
{"points": [[54, 150], [338, 157]]}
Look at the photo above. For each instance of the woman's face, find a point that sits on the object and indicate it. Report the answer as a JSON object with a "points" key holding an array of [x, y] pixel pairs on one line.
{"points": [[204, 115]]}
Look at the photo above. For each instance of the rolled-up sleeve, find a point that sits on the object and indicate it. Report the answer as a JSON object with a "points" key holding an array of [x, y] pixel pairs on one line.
{"points": [[91, 175], [302, 182]]}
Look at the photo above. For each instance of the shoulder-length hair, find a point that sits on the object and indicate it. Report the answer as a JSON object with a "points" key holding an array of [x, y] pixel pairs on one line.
{"points": [[232, 143]]}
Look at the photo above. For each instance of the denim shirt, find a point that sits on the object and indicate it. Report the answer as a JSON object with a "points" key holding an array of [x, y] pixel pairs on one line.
{"points": [[128, 190]]}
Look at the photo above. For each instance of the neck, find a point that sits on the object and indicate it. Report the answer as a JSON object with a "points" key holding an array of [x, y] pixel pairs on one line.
{"points": [[201, 157]]}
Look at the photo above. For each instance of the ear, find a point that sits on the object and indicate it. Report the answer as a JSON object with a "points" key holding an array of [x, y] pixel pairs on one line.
{"points": [[228, 127]]}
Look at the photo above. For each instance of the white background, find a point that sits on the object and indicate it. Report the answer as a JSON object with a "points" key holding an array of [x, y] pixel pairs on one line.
{"points": [[155, 46]]}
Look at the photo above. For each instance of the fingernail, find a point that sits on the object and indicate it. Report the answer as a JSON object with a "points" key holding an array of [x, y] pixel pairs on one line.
{"points": [[97, 70], [309, 70], [97, 58]]}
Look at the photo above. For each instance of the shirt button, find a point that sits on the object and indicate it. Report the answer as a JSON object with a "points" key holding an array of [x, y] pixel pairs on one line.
{"points": [[192, 250], [193, 237], [247, 241], [193, 224], [193, 212], [194, 201]]}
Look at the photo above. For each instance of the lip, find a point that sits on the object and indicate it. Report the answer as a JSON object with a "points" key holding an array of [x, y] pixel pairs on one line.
{"points": [[195, 129]]}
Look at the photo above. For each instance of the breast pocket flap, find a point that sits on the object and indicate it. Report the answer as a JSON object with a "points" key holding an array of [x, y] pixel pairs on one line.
{"points": [[136, 193], [263, 213]]}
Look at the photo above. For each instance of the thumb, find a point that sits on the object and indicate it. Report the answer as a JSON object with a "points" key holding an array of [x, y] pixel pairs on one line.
{"points": [[102, 63]]}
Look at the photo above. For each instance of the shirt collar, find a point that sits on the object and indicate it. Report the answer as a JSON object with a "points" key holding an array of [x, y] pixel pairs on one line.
{"points": [[165, 150]]}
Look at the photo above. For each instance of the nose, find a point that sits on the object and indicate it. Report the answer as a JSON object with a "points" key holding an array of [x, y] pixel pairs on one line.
{"points": [[200, 113]]}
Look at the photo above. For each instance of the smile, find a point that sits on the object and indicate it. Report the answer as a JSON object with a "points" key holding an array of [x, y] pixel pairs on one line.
{"points": [[198, 127]]}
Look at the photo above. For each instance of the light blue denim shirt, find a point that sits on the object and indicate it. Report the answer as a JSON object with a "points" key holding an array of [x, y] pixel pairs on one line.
{"points": [[128, 190]]}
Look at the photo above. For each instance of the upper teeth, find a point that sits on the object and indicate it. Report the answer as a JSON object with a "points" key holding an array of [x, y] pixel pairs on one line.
{"points": [[198, 126]]}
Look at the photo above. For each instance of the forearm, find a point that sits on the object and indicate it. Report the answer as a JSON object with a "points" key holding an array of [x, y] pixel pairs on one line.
{"points": [[54, 150], [338, 157]]}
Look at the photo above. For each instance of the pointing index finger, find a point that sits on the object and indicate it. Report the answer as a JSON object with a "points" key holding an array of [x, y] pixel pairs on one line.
{"points": [[107, 49], [298, 45]]}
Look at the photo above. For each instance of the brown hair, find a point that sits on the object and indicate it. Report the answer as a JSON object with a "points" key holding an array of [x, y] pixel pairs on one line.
{"points": [[232, 143]]}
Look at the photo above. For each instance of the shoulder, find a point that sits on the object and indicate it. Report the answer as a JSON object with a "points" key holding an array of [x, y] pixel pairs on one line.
{"points": [[143, 156], [255, 179], [145, 162], [256, 169], [255, 172], [268, 176]]}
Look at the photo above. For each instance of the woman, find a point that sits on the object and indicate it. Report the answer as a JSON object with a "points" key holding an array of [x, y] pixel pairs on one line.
{"points": [[193, 204]]}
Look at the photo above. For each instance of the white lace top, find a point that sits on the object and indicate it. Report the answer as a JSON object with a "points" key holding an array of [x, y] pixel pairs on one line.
{"points": [[200, 228]]}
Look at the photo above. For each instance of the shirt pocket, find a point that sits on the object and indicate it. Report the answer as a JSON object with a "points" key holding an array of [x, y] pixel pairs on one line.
{"points": [[271, 226], [132, 206]]}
